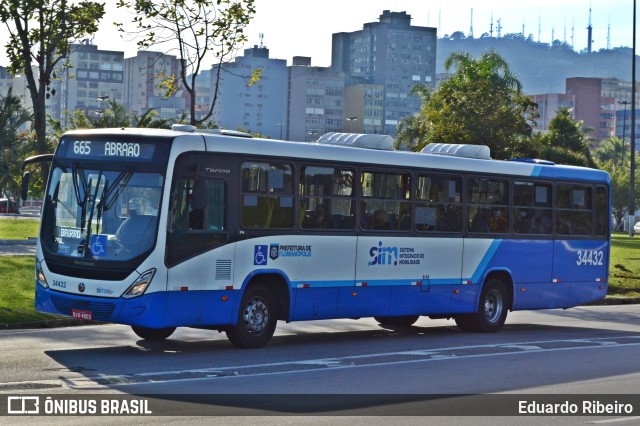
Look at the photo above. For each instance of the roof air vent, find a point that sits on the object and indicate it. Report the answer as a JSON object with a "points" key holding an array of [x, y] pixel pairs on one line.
{"points": [[358, 140], [458, 150], [183, 128]]}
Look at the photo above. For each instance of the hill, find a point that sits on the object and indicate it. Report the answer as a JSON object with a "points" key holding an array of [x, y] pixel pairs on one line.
{"points": [[540, 67]]}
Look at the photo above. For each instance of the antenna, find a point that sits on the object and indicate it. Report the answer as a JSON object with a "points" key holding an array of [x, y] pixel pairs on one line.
{"points": [[539, 28], [609, 34], [491, 26], [589, 31], [261, 36], [523, 35], [471, 26], [573, 30], [499, 27], [565, 30], [553, 35]]}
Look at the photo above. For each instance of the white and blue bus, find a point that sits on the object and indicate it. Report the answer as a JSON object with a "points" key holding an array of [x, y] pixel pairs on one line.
{"points": [[161, 229]]}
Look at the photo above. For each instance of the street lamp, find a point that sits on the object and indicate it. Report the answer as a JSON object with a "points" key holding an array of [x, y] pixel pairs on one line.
{"points": [[632, 165]]}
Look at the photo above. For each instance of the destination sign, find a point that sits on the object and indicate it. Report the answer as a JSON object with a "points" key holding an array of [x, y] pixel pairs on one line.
{"points": [[105, 150]]}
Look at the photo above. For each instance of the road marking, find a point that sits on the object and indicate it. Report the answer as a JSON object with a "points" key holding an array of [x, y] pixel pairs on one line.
{"points": [[334, 363]]}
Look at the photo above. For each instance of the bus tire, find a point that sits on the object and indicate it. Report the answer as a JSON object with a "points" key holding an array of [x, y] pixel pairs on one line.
{"points": [[256, 319], [153, 333], [400, 321], [492, 310]]}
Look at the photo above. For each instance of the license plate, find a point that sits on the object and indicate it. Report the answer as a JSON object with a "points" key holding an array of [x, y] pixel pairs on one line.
{"points": [[81, 314]]}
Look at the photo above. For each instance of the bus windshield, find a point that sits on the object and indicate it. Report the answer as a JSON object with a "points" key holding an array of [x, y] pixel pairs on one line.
{"points": [[107, 215]]}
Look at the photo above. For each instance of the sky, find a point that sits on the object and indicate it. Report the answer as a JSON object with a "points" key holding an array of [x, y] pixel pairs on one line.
{"points": [[304, 27]]}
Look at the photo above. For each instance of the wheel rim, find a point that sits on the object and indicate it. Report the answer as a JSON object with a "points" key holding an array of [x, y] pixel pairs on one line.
{"points": [[493, 306], [256, 315]]}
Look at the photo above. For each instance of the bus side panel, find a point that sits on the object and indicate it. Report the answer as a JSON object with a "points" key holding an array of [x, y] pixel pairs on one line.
{"points": [[316, 267], [315, 303], [199, 308], [356, 302], [197, 287], [583, 266], [530, 263], [418, 272]]}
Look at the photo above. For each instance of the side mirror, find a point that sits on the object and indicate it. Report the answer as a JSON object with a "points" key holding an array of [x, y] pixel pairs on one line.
{"points": [[24, 189]]}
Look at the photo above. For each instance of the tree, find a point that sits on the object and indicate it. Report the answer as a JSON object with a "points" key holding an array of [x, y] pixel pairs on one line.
{"points": [[41, 32], [113, 116], [197, 30], [13, 142], [481, 103], [565, 142]]}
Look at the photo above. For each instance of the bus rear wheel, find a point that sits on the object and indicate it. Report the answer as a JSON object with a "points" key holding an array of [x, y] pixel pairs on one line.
{"points": [[492, 310], [256, 320], [400, 321], [153, 333]]}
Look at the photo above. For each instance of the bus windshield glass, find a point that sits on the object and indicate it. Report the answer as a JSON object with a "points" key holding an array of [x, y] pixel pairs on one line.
{"points": [[107, 215]]}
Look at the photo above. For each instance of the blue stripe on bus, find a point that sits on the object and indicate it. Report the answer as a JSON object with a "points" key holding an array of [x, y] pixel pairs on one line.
{"points": [[488, 256]]}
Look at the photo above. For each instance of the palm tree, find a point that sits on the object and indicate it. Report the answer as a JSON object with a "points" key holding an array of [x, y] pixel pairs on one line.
{"points": [[13, 115]]}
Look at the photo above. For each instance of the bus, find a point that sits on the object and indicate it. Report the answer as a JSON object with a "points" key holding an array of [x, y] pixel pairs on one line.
{"points": [[159, 229]]}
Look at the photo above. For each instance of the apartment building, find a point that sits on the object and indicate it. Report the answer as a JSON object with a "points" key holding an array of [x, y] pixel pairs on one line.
{"points": [[260, 107], [391, 53], [143, 75]]}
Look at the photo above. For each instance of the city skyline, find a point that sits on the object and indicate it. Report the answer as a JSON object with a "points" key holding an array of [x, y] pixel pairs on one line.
{"points": [[314, 33]]}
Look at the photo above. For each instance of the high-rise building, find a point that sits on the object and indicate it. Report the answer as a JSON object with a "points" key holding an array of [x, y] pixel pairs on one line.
{"points": [[95, 77], [260, 107], [391, 53], [316, 101], [143, 75]]}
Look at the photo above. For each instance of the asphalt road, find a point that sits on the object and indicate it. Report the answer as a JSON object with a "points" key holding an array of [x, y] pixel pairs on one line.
{"points": [[344, 367]]}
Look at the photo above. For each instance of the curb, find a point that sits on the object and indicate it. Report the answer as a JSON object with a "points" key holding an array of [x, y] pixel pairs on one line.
{"points": [[29, 241]]}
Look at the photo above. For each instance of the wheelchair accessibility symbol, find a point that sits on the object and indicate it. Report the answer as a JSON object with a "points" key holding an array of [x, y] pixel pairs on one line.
{"points": [[98, 245], [260, 255]]}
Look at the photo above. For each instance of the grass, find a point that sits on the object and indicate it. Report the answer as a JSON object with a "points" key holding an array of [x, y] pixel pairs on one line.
{"points": [[18, 283], [18, 229], [624, 266], [18, 288]]}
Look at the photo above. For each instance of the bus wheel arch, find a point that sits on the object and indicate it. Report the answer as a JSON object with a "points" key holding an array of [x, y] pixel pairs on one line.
{"points": [[496, 299], [264, 301]]}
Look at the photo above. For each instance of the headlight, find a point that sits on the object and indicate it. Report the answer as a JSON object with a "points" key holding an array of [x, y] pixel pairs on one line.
{"points": [[140, 285], [40, 278]]}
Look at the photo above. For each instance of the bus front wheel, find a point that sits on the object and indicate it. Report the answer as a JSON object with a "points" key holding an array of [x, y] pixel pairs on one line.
{"points": [[153, 333], [492, 310], [256, 320]]}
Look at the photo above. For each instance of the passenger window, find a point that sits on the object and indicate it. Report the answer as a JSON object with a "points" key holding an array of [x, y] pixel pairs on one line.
{"points": [[574, 211], [438, 204], [267, 195], [488, 201], [386, 201], [326, 200], [602, 214], [532, 208]]}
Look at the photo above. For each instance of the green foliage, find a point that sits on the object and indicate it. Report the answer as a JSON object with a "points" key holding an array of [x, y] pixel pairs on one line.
{"points": [[195, 30], [565, 143], [114, 116], [481, 103], [40, 33], [14, 144]]}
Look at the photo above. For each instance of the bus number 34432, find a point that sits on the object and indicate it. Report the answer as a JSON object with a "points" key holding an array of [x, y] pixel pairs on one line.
{"points": [[590, 257]]}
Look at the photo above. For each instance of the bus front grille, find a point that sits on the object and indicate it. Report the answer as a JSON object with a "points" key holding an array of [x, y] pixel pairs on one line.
{"points": [[101, 311]]}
